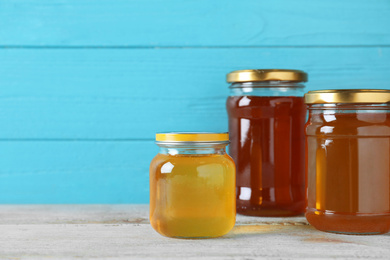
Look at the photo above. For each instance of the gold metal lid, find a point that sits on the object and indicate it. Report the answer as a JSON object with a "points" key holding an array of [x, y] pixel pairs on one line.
{"points": [[348, 96], [266, 75]]}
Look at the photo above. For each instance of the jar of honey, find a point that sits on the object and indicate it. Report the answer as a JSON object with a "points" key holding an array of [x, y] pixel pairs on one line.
{"points": [[267, 115], [348, 154], [192, 186]]}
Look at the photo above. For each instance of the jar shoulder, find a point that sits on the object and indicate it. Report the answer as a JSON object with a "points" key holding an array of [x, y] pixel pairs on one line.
{"points": [[162, 162], [158, 159], [355, 124], [263, 101], [229, 161]]}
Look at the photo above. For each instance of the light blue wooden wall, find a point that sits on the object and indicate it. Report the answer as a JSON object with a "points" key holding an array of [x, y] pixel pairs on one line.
{"points": [[85, 84]]}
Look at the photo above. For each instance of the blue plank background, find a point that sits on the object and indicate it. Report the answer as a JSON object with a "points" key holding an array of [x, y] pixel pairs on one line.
{"points": [[205, 23], [84, 85]]}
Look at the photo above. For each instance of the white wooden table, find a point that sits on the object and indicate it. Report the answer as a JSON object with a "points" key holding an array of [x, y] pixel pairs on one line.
{"points": [[123, 232]]}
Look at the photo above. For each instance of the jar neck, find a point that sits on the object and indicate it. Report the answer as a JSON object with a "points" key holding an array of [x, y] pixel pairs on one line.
{"points": [[345, 108], [192, 149], [370, 113], [267, 88]]}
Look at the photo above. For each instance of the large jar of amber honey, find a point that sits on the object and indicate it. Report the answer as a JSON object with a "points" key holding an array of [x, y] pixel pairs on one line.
{"points": [[348, 160], [192, 186], [267, 115]]}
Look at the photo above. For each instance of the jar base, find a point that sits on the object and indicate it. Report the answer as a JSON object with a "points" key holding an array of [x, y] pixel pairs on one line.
{"points": [[193, 228], [349, 223]]}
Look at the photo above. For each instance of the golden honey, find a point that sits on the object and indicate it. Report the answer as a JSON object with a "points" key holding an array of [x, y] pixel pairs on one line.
{"points": [[192, 186], [347, 156]]}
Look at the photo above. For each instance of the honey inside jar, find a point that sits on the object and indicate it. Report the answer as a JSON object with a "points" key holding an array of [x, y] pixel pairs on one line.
{"points": [[266, 125], [267, 144], [348, 151], [192, 191]]}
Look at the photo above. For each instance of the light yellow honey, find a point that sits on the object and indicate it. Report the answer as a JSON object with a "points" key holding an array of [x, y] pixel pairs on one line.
{"points": [[192, 196]]}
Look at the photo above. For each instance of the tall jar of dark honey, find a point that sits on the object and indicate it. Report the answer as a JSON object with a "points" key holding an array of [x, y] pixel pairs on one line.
{"points": [[267, 115], [348, 154]]}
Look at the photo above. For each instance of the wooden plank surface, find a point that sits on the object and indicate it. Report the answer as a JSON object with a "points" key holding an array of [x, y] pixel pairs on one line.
{"points": [[132, 94], [194, 23], [123, 232]]}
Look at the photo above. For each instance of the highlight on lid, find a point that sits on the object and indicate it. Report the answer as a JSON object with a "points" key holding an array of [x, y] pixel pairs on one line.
{"points": [[192, 137], [256, 75]]}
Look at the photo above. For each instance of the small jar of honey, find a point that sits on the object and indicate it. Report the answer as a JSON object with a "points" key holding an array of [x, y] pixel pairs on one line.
{"points": [[267, 116], [348, 153], [192, 186]]}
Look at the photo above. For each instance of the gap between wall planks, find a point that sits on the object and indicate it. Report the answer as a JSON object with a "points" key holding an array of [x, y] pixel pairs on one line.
{"points": [[89, 94]]}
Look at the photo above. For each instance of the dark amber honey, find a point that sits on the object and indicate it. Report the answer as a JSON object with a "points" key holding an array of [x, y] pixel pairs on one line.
{"points": [[267, 145]]}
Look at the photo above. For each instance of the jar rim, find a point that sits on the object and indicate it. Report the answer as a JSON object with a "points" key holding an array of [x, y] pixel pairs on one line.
{"points": [[266, 75], [347, 96], [192, 138], [267, 84]]}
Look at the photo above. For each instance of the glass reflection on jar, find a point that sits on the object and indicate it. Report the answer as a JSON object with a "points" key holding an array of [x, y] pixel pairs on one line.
{"points": [[348, 151]]}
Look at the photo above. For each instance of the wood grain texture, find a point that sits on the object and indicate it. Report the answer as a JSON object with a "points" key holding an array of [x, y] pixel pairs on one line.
{"points": [[132, 94], [194, 23], [75, 172], [106, 214], [61, 235]]}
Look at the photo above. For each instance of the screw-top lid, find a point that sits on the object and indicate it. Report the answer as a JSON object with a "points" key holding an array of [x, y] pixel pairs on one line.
{"points": [[266, 75], [348, 96]]}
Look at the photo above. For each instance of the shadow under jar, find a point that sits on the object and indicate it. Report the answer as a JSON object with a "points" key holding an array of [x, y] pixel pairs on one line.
{"points": [[267, 115], [348, 152], [192, 186]]}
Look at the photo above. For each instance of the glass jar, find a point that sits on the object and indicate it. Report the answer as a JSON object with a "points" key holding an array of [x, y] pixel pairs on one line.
{"points": [[267, 115], [192, 186], [348, 152]]}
